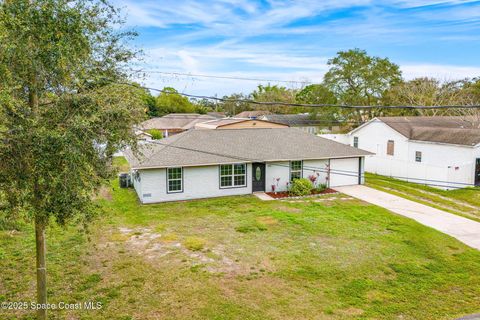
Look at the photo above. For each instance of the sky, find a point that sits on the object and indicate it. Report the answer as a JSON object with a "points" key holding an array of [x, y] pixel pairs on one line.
{"points": [[293, 40]]}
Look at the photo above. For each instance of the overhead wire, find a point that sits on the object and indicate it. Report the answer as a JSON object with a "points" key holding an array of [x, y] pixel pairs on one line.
{"points": [[348, 173], [290, 104]]}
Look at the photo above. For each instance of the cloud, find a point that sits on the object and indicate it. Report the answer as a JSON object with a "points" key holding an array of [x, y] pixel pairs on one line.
{"points": [[293, 39], [443, 72]]}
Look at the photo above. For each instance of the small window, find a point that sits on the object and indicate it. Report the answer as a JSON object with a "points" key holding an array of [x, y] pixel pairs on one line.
{"points": [[391, 147], [418, 156], [174, 180], [295, 170], [355, 142], [233, 175]]}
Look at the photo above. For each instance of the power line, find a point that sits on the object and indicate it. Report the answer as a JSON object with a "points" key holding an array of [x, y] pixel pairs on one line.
{"points": [[290, 104], [222, 77], [428, 182]]}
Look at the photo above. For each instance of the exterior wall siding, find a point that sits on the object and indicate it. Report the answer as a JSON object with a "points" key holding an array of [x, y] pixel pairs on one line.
{"points": [[198, 182]]}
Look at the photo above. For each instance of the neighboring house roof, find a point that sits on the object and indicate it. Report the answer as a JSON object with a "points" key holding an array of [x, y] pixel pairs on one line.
{"points": [[178, 121], [252, 114], [218, 115], [452, 130], [293, 120], [210, 147], [232, 122], [139, 132]]}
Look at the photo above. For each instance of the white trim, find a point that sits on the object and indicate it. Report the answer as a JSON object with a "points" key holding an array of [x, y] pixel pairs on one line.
{"points": [[233, 175]]}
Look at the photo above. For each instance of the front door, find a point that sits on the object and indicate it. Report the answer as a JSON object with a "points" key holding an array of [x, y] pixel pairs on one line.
{"points": [[258, 177], [477, 172]]}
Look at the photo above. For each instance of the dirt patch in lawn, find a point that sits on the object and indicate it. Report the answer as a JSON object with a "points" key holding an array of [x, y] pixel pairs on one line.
{"points": [[193, 252], [104, 193]]}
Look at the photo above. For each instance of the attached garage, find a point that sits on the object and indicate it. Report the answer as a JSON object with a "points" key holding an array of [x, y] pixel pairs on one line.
{"points": [[345, 172]]}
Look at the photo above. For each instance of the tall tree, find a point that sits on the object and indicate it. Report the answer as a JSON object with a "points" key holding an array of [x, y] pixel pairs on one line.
{"points": [[63, 112], [431, 92], [319, 94], [359, 79], [274, 93], [169, 101], [233, 104]]}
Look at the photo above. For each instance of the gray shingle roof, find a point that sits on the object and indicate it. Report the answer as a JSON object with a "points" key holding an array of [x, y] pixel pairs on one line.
{"points": [[252, 114], [179, 121], [293, 119], [453, 130], [209, 147]]}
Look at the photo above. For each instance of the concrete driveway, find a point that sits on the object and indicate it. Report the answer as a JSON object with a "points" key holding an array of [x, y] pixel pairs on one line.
{"points": [[465, 230]]}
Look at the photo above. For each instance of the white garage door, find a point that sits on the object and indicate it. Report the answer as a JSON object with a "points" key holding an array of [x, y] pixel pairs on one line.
{"points": [[343, 172]]}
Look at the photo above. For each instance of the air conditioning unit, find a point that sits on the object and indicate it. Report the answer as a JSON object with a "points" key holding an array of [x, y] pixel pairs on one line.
{"points": [[125, 180]]}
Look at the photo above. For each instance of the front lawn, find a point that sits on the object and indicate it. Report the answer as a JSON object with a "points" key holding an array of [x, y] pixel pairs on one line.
{"points": [[464, 202], [331, 257]]}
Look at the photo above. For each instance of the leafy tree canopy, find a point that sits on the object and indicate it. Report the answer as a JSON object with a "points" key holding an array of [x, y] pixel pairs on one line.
{"points": [[66, 107], [359, 79], [319, 94]]}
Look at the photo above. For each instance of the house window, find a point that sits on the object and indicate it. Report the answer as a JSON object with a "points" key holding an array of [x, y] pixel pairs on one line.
{"points": [[355, 142], [295, 170], [174, 180], [233, 175], [390, 147], [418, 156]]}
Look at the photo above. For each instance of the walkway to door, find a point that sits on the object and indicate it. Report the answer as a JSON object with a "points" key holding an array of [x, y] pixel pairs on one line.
{"points": [[465, 230]]}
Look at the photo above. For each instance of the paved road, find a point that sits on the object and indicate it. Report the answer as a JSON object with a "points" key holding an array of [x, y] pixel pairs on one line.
{"points": [[465, 230]]}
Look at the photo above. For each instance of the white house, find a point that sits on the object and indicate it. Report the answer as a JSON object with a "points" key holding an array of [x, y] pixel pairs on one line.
{"points": [[212, 163], [438, 151]]}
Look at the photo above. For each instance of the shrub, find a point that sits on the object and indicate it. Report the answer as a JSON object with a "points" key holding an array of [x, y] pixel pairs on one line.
{"points": [[194, 243], [321, 187], [301, 187], [156, 134]]}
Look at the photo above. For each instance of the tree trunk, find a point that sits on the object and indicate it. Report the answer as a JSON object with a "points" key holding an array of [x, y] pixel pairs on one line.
{"points": [[41, 269]]}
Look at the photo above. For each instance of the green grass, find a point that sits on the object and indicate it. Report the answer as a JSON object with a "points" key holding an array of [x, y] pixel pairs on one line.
{"points": [[242, 258], [464, 202]]}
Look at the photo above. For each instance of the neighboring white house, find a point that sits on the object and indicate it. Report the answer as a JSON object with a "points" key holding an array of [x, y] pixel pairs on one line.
{"points": [[438, 151], [211, 163]]}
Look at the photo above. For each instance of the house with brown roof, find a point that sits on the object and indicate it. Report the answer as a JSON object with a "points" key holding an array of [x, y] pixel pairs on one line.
{"points": [[175, 122], [252, 114], [438, 151], [238, 123], [212, 163]]}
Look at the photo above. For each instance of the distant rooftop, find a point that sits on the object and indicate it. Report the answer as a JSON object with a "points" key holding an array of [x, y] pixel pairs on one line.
{"points": [[227, 122], [252, 114], [178, 121], [293, 120], [453, 130]]}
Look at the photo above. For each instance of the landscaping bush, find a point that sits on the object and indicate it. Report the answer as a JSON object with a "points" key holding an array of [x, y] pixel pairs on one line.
{"points": [[321, 187], [301, 187], [156, 134]]}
